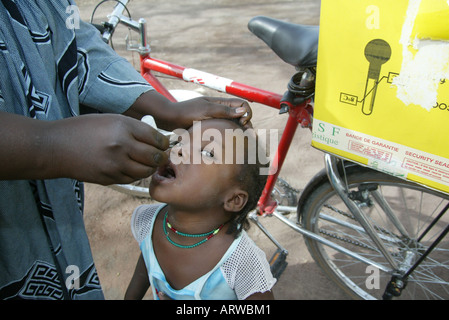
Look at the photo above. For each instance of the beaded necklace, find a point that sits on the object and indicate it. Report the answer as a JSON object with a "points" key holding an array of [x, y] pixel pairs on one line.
{"points": [[208, 235]]}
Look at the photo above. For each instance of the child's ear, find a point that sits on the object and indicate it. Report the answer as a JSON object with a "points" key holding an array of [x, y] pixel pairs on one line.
{"points": [[235, 200]]}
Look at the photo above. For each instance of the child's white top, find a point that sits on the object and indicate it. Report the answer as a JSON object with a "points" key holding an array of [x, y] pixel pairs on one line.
{"points": [[243, 270]]}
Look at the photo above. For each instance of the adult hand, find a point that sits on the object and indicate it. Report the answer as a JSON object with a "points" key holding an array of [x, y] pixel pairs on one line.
{"points": [[102, 149], [108, 149], [203, 108], [170, 116]]}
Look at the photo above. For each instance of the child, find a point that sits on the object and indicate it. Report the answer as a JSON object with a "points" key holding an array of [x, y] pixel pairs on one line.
{"points": [[195, 245]]}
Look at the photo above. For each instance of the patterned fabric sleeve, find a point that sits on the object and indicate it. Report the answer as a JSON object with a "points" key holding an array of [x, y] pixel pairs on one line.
{"points": [[107, 82]]}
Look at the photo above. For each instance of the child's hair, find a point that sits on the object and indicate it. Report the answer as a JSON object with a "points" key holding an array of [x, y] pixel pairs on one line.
{"points": [[252, 181]]}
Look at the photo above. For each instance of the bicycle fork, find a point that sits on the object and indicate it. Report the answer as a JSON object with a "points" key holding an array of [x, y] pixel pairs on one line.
{"points": [[400, 273], [337, 183]]}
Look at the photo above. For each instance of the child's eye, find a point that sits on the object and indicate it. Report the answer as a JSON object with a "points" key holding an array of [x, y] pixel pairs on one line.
{"points": [[207, 153]]}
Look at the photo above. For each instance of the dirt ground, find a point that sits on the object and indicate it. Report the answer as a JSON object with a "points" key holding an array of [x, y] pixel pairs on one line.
{"points": [[212, 35]]}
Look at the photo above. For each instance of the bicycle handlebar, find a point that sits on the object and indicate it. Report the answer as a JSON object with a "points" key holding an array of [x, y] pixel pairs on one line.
{"points": [[114, 19]]}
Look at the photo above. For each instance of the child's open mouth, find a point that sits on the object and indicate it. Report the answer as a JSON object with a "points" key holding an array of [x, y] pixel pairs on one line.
{"points": [[167, 172]]}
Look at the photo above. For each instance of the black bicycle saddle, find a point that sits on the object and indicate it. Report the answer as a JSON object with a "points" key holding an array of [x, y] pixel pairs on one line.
{"points": [[295, 44]]}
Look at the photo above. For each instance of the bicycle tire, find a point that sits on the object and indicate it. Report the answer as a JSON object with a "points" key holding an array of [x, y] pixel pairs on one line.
{"points": [[414, 205]]}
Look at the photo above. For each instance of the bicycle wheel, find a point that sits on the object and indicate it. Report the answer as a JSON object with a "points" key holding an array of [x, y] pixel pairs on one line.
{"points": [[414, 206]]}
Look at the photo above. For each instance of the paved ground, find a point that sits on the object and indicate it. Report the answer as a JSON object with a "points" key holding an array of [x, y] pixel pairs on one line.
{"points": [[212, 35]]}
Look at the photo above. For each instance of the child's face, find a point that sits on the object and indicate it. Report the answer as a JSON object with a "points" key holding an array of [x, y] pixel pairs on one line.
{"points": [[201, 173]]}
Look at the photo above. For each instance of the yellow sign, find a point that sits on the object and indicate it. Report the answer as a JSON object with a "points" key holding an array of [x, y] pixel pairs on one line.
{"points": [[382, 95]]}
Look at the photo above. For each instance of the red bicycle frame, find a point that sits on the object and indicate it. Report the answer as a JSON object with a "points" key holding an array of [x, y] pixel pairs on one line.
{"points": [[297, 113]]}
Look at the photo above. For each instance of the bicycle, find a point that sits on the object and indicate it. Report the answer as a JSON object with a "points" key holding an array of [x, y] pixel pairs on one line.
{"points": [[352, 217]]}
